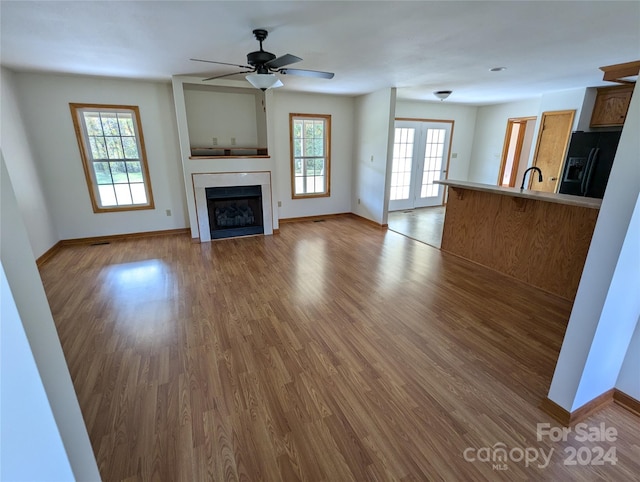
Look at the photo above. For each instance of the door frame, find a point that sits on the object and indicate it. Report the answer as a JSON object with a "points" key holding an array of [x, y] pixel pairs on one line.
{"points": [[443, 197], [567, 136], [518, 151]]}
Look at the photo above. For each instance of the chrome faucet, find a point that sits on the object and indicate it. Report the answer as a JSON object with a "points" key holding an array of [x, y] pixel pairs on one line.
{"points": [[531, 169]]}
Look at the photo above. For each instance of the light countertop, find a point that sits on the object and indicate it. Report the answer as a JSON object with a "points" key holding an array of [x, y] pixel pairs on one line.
{"points": [[567, 199]]}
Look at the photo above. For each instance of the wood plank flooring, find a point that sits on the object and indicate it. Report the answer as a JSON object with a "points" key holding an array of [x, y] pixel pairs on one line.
{"points": [[334, 351], [421, 224]]}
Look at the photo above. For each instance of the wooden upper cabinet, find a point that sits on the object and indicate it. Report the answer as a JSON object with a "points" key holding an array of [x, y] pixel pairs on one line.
{"points": [[611, 106]]}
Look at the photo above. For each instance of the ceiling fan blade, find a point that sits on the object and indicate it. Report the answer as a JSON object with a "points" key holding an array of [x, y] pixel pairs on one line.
{"points": [[283, 60], [308, 73], [222, 63], [227, 75]]}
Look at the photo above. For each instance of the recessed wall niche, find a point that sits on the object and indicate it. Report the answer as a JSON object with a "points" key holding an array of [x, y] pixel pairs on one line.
{"points": [[225, 121]]}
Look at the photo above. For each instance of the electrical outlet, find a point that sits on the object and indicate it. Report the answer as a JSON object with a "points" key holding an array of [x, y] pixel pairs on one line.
{"points": [[279, 204], [233, 141], [214, 141], [358, 200], [168, 212], [454, 155], [371, 157]]}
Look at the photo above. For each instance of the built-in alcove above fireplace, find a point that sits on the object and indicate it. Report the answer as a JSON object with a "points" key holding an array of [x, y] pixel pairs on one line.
{"points": [[232, 204]]}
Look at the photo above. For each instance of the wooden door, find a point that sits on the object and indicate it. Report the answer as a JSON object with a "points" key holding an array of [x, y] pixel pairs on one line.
{"points": [[517, 129], [551, 149]]}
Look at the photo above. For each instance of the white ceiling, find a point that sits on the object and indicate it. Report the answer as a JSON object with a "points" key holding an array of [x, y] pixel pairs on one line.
{"points": [[416, 46]]}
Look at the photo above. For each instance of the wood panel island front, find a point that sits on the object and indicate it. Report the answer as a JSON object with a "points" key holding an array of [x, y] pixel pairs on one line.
{"points": [[539, 238]]}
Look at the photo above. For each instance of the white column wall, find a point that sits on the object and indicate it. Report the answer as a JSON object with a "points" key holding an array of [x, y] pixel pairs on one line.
{"points": [[605, 312], [33, 309], [374, 120]]}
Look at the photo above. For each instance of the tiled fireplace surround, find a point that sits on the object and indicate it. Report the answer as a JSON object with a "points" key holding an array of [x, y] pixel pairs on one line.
{"points": [[201, 181]]}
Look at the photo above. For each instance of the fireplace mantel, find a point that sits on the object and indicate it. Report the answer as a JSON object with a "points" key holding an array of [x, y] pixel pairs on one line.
{"points": [[201, 181]]}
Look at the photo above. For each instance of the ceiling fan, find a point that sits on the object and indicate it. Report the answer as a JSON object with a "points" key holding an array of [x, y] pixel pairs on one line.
{"points": [[264, 65]]}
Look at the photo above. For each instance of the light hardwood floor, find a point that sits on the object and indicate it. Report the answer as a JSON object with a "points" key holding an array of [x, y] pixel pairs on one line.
{"points": [[422, 224], [334, 351]]}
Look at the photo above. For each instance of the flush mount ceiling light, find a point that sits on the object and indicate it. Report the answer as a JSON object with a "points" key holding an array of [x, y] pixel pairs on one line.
{"points": [[442, 94], [497, 69], [264, 81]]}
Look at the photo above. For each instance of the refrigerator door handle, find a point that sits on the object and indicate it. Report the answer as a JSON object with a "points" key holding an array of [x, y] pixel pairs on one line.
{"points": [[587, 170], [592, 166]]}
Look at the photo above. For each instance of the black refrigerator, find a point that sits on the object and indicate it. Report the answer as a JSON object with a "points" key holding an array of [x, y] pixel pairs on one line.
{"points": [[588, 164]]}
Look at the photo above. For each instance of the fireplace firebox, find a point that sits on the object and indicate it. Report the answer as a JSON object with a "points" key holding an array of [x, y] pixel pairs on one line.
{"points": [[234, 211]]}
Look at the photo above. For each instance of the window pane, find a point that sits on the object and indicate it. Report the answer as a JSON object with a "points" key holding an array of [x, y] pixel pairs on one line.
{"points": [[92, 121], [107, 195], [138, 193], [308, 147], [114, 155], [123, 194], [134, 169], [130, 147], [309, 157], [126, 125], [309, 167], [110, 124], [119, 172], [103, 175], [98, 148], [308, 128], [114, 148], [318, 147]]}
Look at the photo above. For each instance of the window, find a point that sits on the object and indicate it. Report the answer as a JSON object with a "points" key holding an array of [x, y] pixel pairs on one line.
{"points": [[112, 150], [310, 155]]}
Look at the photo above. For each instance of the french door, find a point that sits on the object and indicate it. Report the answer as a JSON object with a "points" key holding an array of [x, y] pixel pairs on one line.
{"points": [[420, 154]]}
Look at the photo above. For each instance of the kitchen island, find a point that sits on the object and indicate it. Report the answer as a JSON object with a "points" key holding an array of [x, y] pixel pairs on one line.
{"points": [[537, 237]]}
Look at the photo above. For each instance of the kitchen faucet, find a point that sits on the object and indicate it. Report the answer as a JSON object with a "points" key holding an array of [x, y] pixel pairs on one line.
{"points": [[531, 169]]}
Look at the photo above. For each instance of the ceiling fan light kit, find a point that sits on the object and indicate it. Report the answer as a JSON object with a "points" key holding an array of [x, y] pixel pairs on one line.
{"points": [[442, 94], [264, 65], [264, 81]]}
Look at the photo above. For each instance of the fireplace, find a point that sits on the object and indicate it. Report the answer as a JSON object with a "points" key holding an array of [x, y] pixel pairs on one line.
{"points": [[248, 193], [234, 211]]}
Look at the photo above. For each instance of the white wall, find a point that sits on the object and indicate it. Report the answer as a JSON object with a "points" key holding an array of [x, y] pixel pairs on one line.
{"points": [[33, 310], [31, 448], [572, 99], [341, 109], [464, 118], [488, 139], [374, 121], [23, 169], [223, 115], [617, 321], [605, 310], [629, 377], [44, 100]]}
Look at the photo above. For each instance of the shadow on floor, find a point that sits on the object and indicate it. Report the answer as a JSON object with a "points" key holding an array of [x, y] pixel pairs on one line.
{"points": [[422, 224]]}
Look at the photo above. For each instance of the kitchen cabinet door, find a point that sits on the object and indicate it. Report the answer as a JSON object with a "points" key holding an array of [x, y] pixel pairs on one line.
{"points": [[611, 106]]}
